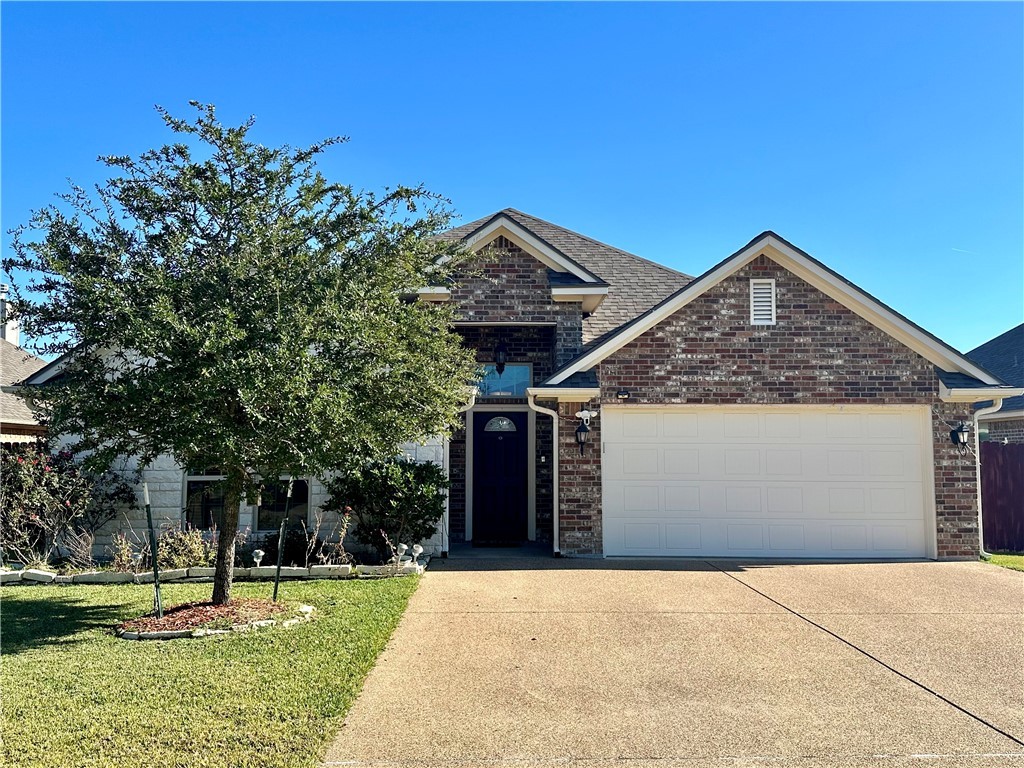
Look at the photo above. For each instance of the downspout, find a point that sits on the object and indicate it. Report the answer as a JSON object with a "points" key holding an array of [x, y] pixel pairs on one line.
{"points": [[997, 403], [557, 552]]}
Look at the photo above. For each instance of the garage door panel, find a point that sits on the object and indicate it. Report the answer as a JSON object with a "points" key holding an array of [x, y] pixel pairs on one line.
{"points": [[782, 482]]}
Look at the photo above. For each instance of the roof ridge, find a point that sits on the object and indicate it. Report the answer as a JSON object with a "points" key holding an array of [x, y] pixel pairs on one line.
{"points": [[596, 242]]}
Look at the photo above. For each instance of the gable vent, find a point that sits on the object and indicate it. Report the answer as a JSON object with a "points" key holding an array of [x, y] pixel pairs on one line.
{"points": [[762, 302]]}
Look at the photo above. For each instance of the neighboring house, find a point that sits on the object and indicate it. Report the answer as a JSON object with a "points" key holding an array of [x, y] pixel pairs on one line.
{"points": [[767, 408], [1004, 356], [17, 422]]}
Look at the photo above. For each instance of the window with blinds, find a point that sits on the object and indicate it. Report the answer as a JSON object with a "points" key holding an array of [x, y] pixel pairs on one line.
{"points": [[762, 302]]}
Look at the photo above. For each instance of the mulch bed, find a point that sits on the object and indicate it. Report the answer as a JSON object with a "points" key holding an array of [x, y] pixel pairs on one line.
{"points": [[206, 615]]}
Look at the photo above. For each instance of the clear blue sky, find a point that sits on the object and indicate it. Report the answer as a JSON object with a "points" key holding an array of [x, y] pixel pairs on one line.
{"points": [[885, 139]]}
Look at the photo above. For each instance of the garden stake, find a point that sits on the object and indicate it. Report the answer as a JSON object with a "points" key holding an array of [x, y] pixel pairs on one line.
{"points": [[280, 538], [157, 604]]}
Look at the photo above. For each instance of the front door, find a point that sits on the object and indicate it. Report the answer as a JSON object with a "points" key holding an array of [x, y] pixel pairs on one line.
{"points": [[500, 443]]}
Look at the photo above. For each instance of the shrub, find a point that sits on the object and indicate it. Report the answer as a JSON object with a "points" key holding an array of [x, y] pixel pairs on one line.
{"points": [[397, 500], [48, 501], [185, 548]]}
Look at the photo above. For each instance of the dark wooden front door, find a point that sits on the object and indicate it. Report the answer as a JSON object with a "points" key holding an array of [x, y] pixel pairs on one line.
{"points": [[500, 444]]}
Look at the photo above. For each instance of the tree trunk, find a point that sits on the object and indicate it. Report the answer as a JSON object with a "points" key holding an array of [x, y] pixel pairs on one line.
{"points": [[224, 567]]}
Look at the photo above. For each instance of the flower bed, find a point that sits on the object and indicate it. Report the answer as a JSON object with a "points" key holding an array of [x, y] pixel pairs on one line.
{"points": [[29, 576], [201, 619]]}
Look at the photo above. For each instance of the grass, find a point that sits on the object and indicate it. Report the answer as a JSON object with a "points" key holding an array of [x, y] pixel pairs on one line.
{"points": [[1016, 562], [75, 695]]}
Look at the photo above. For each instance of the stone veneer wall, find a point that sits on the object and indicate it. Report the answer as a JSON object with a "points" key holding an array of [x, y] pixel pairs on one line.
{"points": [[1010, 430], [818, 352], [167, 492]]}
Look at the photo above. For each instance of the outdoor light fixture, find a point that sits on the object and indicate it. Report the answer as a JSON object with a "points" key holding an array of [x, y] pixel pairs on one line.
{"points": [[582, 435], [583, 430], [501, 357], [622, 394], [257, 556], [417, 550], [958, 436]]}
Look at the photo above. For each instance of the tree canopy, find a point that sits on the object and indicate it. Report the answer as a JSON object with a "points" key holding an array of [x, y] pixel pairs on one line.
{"points": [[225, 303]]}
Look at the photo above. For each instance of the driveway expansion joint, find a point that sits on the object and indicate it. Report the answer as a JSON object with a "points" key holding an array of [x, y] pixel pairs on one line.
{"points": [[871, 656]]}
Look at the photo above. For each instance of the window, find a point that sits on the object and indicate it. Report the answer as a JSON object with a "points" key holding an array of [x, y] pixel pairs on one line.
{"points": [[274, 500], [500, 424], [204, 498], [204, 503], [762, 302], [512, 382]]}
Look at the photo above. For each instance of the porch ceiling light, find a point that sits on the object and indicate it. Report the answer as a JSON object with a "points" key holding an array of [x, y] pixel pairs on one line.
{"points": [[500, 357]]}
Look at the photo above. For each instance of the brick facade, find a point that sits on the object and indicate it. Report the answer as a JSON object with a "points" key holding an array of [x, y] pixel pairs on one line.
{"points": [[1010, 430], [817, 353], [579, 485]]}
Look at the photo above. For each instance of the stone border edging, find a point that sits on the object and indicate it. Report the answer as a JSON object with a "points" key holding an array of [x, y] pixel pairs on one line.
{"points": [[305, 614], [33, 576]]}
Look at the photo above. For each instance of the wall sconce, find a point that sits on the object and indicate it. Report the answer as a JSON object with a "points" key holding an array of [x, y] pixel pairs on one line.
{"points": [[583, 430], [958, 436], [500, 357], [622, 394], [582, 435]]}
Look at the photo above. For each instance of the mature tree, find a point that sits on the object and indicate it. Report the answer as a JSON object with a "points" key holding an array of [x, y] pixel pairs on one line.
{"points": [[225, 303]]}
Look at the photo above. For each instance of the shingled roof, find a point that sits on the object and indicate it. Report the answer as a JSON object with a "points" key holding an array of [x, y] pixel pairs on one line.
{"points": [[16, 365], [635, 284], [1004, 356]]}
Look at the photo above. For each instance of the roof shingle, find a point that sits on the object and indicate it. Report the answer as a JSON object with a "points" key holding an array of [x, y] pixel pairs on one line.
{"points": [[16, 365], [635, 284]]}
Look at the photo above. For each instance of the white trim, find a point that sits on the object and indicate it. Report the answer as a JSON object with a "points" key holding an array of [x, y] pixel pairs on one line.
{"points": [[976, 394], [789, 258], [531, 464], [761, 282], [503, 226], [590, 296], [434, 293], [565, 394], [503, 324], [1001, 416]]}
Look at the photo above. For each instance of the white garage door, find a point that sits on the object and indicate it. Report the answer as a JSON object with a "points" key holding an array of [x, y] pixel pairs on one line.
{"points": [[768, 482]]}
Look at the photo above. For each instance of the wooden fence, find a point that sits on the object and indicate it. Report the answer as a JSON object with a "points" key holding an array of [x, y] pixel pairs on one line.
{"points": [[1002, 496]]}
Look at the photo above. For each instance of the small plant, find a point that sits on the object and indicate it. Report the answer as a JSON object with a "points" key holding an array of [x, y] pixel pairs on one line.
{"points": [[122, 554], [396, 500]]}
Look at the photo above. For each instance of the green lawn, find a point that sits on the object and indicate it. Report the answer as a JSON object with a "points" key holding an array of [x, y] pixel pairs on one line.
{"points": [[1009, 561], [74, 695]]}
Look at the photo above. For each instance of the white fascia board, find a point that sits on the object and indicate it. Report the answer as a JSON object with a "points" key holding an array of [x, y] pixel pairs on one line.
{"points": [[503, 226], [590, 296], [565, 394], [434, 293], [784, 255], [976, 394], [1003, 415]]}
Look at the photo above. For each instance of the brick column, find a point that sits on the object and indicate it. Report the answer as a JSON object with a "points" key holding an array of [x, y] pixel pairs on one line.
{"points": [[956, 487], [579, 485]]}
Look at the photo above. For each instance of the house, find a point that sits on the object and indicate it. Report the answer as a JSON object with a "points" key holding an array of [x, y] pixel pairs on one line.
{"points": [[766, 408], [18, 424], [1004, 356]]}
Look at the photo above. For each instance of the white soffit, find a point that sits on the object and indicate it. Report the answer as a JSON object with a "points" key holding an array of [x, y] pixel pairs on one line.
{"points": [[789, 258]]}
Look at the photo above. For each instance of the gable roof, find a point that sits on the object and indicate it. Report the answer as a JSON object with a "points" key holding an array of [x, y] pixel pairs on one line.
{"points": [[635, 284], [1004, 356], [804, 266], [16, 365]]}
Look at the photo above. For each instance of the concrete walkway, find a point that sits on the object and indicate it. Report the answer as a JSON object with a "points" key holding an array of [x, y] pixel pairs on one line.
{"points": [[655, 664]]}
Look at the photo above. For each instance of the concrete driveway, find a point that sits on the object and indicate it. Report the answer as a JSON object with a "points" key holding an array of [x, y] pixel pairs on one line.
{"points": [[718, 663]]}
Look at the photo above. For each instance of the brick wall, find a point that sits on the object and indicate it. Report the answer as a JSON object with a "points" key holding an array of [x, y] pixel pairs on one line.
{"points": [[510, 286], [818, 352], [579, 485], [1010, 430]]}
